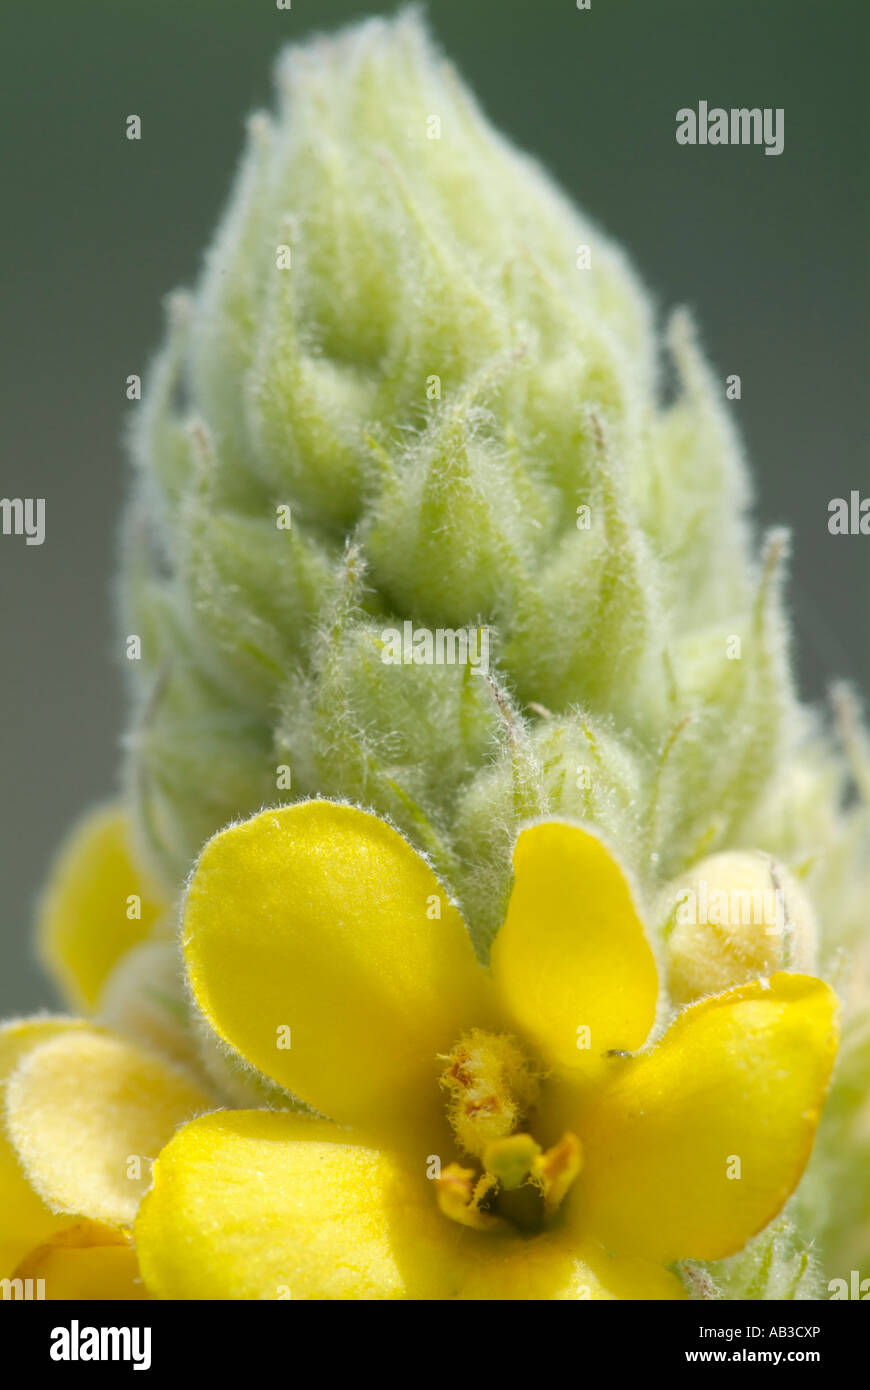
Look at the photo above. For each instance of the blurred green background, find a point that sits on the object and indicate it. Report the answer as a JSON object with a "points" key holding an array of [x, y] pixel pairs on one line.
{"points": [[771, 253]]}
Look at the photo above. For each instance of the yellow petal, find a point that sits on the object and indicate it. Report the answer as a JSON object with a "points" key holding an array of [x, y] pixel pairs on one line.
{"points": [[259, 1204], [25, 1220], [84, 925], [86, 1113], [696, 1145], [84, 1261], [263, 1205], [555, 1268], [571, 961], [324, 949]]}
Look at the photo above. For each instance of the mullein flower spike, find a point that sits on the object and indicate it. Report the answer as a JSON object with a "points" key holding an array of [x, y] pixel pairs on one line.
{"points": [[422, 555], [400, 394], [416, 384]]}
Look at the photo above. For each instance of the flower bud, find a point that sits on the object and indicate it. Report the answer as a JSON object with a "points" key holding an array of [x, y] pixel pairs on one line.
{"points": [[416, 385], [735, 917]]}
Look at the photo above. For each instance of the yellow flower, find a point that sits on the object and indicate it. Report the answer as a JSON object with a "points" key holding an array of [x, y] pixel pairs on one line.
{"points": [[84, 1113], [492, 1134], [105, 933], [98, 905], [84, 1109]]}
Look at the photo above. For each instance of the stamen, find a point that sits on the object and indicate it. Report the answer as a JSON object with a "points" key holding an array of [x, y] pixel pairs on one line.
{"points": [[461, 1201], [491, 1084], [556, 1169]]}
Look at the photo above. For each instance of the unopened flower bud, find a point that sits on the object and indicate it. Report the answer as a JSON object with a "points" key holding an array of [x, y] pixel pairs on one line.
{"points": [[735, 917]]}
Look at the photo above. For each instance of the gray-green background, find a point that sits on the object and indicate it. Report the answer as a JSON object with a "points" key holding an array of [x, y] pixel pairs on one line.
{"points": [[770, 252]]}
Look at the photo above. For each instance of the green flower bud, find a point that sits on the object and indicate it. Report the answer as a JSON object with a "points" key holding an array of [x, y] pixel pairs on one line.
{"points": [[403, 392], [144, 999], [774, 1266]]}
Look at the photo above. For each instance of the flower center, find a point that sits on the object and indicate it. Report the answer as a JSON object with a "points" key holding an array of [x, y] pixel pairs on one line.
{"points": [[492, 1091]]}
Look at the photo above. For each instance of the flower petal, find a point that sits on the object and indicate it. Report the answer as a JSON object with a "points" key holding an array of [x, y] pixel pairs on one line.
{"points": [[555, 1268], [83, 927], [697, 1144], [571, 961], [85, 1261], [86, 1112], [632, 1278], [25, 1220], [257, 1204], [263, 1205], [313, 948]]}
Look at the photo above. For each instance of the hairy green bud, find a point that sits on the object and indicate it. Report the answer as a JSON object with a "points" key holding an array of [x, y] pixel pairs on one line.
{"points": [[403, 392]]}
